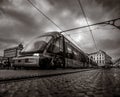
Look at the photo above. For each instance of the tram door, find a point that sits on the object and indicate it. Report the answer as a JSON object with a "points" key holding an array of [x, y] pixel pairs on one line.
{"points": [[56, 49], [69, 54]]}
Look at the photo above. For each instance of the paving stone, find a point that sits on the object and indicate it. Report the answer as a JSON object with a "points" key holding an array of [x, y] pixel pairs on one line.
{"points": [[81, 95], [90, 93], [98, 96]]}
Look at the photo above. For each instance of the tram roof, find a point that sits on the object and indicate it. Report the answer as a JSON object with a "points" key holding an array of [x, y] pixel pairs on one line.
{"points": [[55, 33]]}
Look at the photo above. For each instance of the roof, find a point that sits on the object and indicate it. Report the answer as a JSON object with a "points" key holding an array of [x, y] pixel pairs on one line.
{"points": [[11, 48], [98, 52], [54, 33], [20, 46]]}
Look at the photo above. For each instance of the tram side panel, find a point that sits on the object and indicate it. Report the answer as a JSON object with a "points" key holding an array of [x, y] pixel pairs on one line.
{"points": [[73, 56], [70, 54]]}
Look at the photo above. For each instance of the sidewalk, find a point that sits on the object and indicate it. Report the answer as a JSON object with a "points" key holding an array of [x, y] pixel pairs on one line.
{"points": [[15, 74]]}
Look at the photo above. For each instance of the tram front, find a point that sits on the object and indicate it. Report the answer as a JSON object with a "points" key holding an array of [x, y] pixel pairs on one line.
{"points": [[33, 53]]}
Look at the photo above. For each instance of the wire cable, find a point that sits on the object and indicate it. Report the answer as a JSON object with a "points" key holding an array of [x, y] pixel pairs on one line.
{"points": [[50, 20], [77, 45], [43, 14], [87, 23]]}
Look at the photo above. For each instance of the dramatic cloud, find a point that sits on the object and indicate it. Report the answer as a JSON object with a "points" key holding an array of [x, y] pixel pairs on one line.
{"points": [[20, 21]]}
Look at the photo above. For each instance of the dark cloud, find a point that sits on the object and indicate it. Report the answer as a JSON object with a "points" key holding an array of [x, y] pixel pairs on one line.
{"points": [[64, 4], [4, 1], [109, 3], [21, 17], [108, 44], [9, 41], [62, 12], [116, 54]]}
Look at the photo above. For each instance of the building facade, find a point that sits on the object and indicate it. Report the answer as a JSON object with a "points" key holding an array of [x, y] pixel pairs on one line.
{"points": [[13, 52], [10, 53], [101, 58]]}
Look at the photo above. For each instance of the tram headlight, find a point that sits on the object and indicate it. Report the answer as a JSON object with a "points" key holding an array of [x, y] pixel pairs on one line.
{"points": [[36, 54]]}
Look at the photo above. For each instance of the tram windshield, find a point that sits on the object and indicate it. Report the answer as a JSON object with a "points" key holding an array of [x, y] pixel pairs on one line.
{"points": [[37, 44]]}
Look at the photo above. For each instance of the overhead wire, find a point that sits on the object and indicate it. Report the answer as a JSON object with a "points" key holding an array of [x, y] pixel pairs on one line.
{"points": [[43, 14], [55, 23], [72, 39], [87, 31], [80, 4], [97, 29], [100, 23], [50, 20]]}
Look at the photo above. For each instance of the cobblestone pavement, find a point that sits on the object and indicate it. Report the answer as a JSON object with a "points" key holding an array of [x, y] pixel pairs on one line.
{"points": [[94, 83]]}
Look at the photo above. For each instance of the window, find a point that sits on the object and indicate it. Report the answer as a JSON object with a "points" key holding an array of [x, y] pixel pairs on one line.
{"points": [[37, 44], [69, 53], [97, 61], [56, 46], [69, 50], [91, 57], [103, 61], [100, 61], [82, 57], [76, 54], [19, 61]]}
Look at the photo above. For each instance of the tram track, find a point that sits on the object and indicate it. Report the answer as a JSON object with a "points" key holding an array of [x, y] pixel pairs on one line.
{"points": [[31, 77]]}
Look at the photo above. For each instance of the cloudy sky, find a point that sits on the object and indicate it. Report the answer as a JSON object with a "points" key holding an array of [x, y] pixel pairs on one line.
{"points": [[20, 22]]}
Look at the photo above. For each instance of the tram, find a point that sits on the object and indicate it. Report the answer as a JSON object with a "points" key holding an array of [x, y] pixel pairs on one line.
{"points": [[51, 50]]}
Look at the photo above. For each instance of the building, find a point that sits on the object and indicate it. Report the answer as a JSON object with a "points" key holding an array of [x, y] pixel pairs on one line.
{"points": [[101, 58], [10, 53]]}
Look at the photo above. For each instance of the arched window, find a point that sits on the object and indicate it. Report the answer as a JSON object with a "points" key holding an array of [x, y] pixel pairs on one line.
{"points": [[91, 57]]}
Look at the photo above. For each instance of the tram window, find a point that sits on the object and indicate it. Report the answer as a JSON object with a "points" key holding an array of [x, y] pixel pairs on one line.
{"points": [[83, 59], [75, 54], [80, 56], [69, 53], [37, 44], [56, 47]]}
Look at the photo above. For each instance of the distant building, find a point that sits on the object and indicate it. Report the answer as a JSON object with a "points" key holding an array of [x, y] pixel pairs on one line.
{"points": [[13, 52], [101, 58], [10, 53]]}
